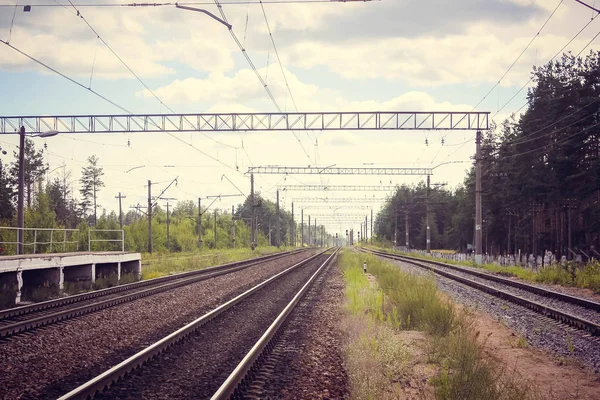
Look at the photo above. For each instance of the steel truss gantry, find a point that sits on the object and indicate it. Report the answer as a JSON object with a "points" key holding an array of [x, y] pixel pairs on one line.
{"points": [[320, 200], [340, 188], [274, 169], [233, 122]]}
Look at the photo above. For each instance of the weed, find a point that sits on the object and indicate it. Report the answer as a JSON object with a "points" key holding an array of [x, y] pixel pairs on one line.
{"points": [[8, 293], [103, 282], [128, 278], [43, 293], [76, 287]]}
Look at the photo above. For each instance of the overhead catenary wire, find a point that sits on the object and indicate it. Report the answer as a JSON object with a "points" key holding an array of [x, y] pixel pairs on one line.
{"points": [[260, 78], [162, 103], [521, 54]]}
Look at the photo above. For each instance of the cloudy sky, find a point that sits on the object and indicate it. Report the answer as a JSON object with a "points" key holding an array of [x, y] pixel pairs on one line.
{"points": [[400, 55]]}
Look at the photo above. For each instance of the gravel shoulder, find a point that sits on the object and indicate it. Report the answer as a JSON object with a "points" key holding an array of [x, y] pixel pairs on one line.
{"points": [[561, 345], [51, 361]]}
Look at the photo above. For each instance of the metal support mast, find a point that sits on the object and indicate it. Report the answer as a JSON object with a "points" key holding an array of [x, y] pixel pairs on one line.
{"points": [[427, 217], [253, 219], [277, 234], [199, 223], [149, 217], [478, 214]]}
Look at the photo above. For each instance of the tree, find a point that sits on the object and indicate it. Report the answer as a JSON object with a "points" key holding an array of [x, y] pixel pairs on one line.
{"points": [[6, 194], [91, 183], [34, 169]]}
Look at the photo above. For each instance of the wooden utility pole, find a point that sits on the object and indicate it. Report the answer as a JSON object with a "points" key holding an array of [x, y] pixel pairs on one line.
{"points": [[233, 226], [302, 228], [293, 229], [120, 210], [371, 226], [309, 243], [199, 224], [149, 217], [316, 232], [168, 232], [215, 228], [277, 234]]}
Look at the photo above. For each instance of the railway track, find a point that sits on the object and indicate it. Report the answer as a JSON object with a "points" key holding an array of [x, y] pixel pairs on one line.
{"points": [[575, 311], [18, 320], [214, 343]]}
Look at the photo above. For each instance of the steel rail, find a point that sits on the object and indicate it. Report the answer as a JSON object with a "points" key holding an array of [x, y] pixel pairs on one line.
{"points": [[112, 375], [23, 310], [237, 381], [590, 304], [575, 321], [194, 276]]}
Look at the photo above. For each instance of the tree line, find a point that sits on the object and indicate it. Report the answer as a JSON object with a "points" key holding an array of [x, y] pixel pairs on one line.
{"points": [[51, 203], [540, 176]]}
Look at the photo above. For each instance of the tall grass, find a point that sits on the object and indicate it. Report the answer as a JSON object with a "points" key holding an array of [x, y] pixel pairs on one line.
{"points": [[161, 264], [465, 371], [569, 274]]}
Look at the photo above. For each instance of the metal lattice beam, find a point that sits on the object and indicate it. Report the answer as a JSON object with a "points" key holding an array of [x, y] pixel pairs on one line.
{"points": [[338, 171], [341, 188], [233, 122], [320, 200]]}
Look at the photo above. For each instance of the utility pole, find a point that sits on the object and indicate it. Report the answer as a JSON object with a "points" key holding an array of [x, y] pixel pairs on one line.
{"points": [[253, 219], [199, 224], [366, 230], [371, 226], [215, 228], [233, 226], [277, 235], [309, 243], [428, 244], [120, 210], [293, 230], [21, 190], [478, 216], [168, 233], [149, 217], [302, 228], [316, 244], [406, 229]]}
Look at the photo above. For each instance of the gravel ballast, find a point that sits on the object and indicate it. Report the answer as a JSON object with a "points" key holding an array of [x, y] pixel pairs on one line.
{"points": [[51, 361], [541, 332], [307, 362], [196, 367]]}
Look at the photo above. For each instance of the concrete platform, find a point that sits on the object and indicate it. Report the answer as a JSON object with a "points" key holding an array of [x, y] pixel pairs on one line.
{"points": [[30, 271]]}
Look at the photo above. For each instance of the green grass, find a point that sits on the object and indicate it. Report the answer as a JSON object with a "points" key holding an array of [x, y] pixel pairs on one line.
{"points": [[156, 265], [374, 357], [586, 277]]}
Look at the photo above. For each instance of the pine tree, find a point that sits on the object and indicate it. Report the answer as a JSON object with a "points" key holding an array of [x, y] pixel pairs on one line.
{"points": [[91, 182], [6, 194], [34, 169]]}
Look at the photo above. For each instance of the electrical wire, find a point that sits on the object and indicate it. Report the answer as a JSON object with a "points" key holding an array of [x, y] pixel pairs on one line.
{"points": [[197, 3], [520, 55], [79, 14], [260, 78]]}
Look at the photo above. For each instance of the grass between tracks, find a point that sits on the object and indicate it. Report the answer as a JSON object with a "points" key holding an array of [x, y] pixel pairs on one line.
{"points": [[161, 264], [569, 274], [404, 339]]}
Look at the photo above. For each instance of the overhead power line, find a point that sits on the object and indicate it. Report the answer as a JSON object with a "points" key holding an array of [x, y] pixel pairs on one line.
{"points": [[520, 55], [260, 78], [197, 3]]}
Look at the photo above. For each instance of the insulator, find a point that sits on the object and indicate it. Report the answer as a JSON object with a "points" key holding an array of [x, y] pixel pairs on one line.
{"points": [[426, 142], [442, 141]]}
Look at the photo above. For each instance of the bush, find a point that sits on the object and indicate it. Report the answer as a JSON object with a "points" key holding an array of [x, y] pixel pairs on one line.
{"points": [[104, 282], [44, 293], [8, 293]]}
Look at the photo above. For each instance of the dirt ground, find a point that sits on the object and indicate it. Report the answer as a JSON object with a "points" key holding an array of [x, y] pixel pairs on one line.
{"points": [[552, 378]]}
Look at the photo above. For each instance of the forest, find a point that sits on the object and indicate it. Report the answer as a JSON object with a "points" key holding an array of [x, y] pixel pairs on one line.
{"points": [[540, 176]]}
